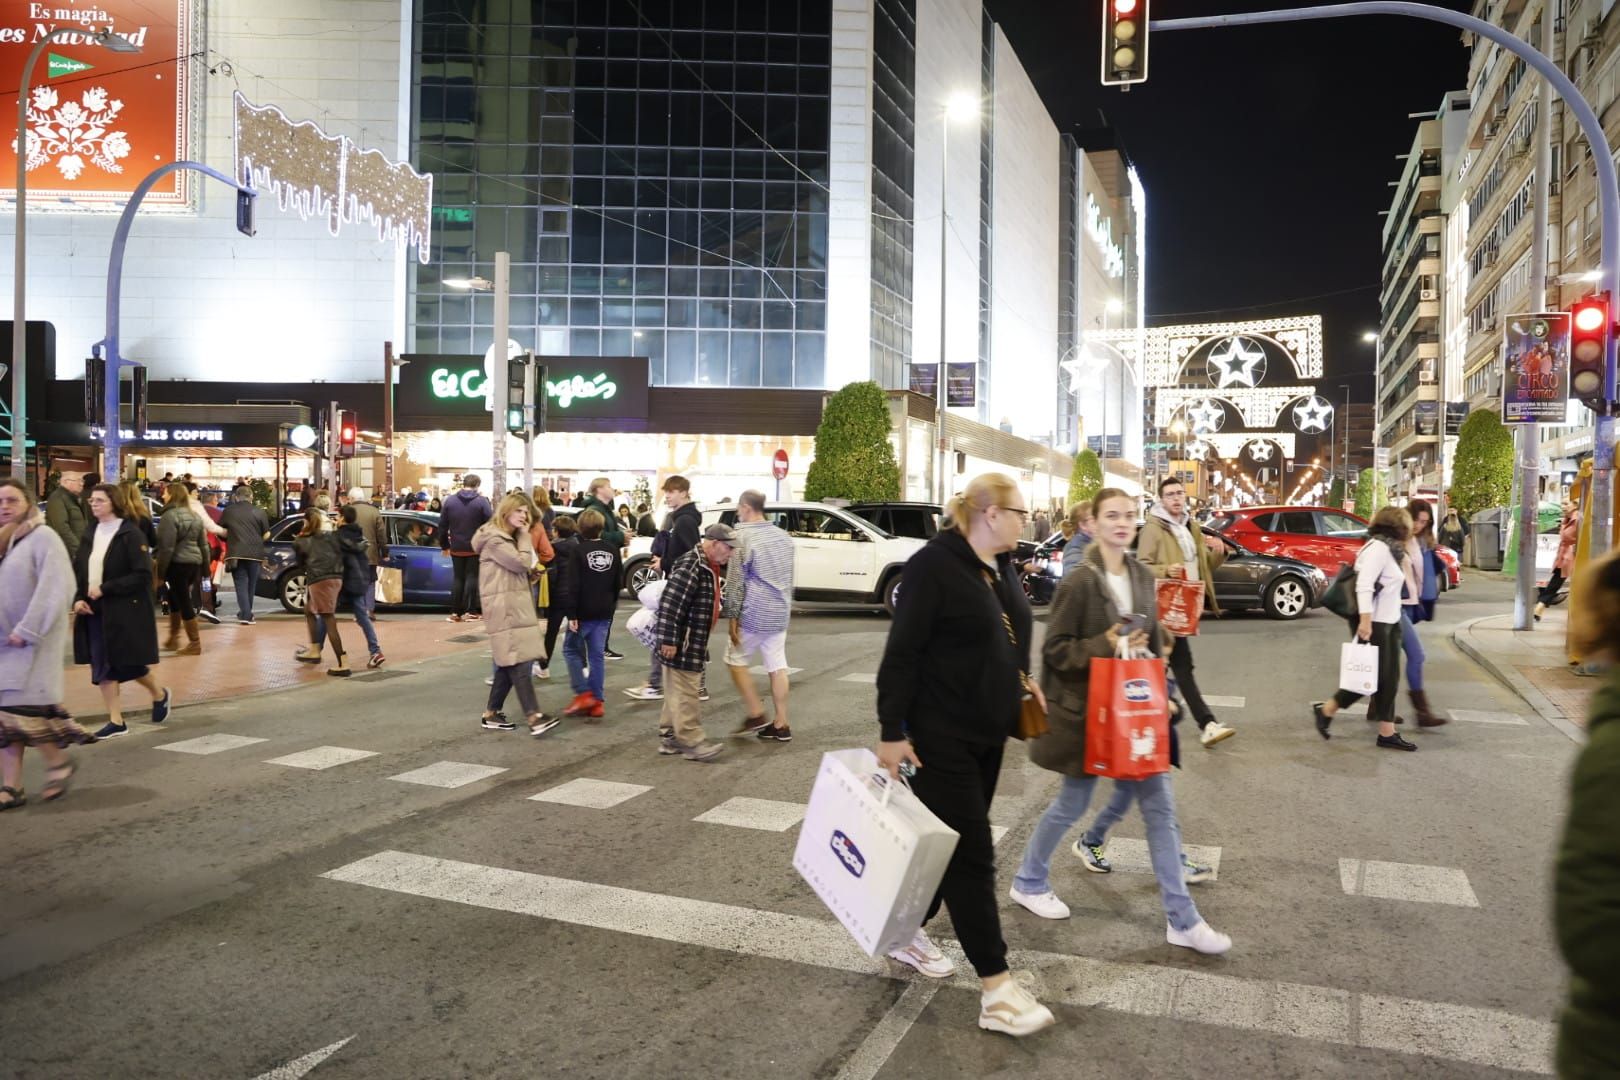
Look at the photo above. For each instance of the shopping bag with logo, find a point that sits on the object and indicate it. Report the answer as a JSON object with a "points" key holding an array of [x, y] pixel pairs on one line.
{"points": [[871, 850], [1181, 602], [643, 626], [651, 593], [1358, 667], [1127, 717], [390, 585]]}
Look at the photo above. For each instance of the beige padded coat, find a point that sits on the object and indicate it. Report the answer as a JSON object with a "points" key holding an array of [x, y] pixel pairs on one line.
{"points": [[504, 562]]}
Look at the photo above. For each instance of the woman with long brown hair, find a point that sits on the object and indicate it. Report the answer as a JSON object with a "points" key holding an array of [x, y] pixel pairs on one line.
{"points": [[320, 554], [1417, 605], [181, 558]]}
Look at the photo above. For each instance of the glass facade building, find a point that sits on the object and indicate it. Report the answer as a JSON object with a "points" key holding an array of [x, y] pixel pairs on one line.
{"points": [[894, 165], [657, 170]]}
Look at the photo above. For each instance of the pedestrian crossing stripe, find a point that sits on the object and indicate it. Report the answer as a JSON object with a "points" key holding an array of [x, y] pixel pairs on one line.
{"points": [[1406, 881]]}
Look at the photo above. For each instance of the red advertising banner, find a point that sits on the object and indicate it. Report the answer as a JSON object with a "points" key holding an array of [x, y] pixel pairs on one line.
{"points": [[98, 121]]}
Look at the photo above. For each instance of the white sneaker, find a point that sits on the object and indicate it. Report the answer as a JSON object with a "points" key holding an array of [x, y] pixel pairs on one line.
{"points": [[1046, 904], [1202, 938], [644, 693], [1214, 732], [542, 672], [925, 956], [1010, 1009]]}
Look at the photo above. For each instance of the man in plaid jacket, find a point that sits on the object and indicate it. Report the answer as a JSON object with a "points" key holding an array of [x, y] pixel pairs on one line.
{"points": [[687, 612]]}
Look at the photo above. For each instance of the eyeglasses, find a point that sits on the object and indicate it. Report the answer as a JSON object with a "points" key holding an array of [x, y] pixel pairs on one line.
{"points": [[1023, 515]]}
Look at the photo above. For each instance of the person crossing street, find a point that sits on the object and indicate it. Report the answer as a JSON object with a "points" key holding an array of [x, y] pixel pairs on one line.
{"points": [[678, 536], [687, 612], [1172, 546], [758, 602], [589, 594], [601, 500], [464, 514]]}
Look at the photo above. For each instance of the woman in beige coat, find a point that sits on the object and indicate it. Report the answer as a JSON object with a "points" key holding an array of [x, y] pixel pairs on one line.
{"points": [[506, 570]]}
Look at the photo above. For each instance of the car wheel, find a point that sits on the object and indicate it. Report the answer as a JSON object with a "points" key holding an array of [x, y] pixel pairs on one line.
{"points": [[638, 576], [1287, 598], [891, 591], [292, 592]]}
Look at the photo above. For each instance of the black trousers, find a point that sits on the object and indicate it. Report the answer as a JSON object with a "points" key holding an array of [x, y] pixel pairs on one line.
{"points": [[957, 781], [1386, 637], [1181, 663], [1549, 592], [183, 581], [464, 592]]}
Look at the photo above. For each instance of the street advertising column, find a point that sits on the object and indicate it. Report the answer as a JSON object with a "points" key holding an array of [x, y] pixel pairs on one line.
{"points": [[99, 121]]}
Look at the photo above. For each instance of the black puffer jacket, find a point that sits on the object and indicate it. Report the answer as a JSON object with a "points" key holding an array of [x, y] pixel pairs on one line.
{"points": [[356, 559], [319, 556]]}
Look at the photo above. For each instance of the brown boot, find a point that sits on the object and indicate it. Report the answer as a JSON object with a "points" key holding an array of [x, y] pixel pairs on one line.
{"points": [[1426, 718], [172, 642], [193, 640]]}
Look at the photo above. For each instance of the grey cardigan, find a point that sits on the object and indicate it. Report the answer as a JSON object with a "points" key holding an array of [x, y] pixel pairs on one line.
{"points": [[1082, 614], [36, 590]]}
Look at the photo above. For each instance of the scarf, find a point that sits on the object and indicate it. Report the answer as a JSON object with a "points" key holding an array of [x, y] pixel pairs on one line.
{"points": [[10, 534]]}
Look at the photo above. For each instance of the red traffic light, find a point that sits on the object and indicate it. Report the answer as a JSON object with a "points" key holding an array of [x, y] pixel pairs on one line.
{"points": [[1591, 326], [1124, 7], [1588, 316], [348, 434]]}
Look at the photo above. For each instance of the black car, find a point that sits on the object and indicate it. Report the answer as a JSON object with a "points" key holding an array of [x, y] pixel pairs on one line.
{"points": [[1246, 580], [919, 520]]}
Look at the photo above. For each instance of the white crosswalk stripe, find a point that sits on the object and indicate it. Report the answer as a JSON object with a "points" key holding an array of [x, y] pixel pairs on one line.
{"points": [[448, 774], [322, 757], [869, 677], [592, 794], [1131, 856], [1486, 716], [745, 813], [210, 744], [1406, 881], [1224, 701]]}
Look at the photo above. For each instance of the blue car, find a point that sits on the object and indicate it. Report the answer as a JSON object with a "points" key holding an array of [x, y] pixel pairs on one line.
{"points": [[413, 549]]}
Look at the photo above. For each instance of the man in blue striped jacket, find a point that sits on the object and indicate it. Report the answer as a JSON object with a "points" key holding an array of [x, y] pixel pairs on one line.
{"points": [[758, 601]]}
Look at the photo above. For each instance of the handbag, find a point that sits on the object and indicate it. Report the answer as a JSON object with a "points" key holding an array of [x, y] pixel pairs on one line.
{"points": [[1031, 713], [1358, 668], [871, 850], [390, 585], [1181, 602], [1127, 716], [1340, 595]]}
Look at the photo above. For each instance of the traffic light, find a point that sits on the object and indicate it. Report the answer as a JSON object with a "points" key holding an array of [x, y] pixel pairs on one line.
{"points": [[348, 429], [1591, 326], [517, 386], [1124, 42], [541, 398]]}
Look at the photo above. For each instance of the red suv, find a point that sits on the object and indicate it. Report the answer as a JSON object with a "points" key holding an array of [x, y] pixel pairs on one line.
{"points": [[1319, 535]]}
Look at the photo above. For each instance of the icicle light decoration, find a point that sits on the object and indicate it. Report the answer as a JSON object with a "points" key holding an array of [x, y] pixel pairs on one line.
{"points": [[321, 175]]}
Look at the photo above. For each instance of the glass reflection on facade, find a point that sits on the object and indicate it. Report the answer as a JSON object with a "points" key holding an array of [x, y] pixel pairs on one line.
{"points": [[894, 64], [656, 168]]}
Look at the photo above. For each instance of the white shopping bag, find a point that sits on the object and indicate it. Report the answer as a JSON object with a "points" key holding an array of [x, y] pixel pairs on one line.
{"points": [[871, 850], [1358, 667], [651, 593], [643, 626]]}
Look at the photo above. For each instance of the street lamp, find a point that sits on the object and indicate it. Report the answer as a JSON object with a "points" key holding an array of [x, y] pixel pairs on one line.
{"points": [[960, 106], [19, 316], [502, 288]]}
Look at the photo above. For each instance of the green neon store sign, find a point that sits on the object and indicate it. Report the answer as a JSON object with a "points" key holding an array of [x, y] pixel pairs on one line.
{"points": [[472, 383]]}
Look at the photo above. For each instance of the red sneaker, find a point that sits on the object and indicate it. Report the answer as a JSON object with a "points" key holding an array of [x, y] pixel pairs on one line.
{"points": [[595, 712], [580, 705]]}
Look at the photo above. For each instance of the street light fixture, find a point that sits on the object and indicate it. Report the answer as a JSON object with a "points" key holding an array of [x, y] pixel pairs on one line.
{"points": [[961, 106], [19, 314]]}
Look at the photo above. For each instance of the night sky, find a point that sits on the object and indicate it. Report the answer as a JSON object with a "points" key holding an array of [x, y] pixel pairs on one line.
{"points": [[1266, 152]]}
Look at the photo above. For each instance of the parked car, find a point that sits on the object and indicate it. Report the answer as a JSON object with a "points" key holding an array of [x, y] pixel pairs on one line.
{"points": [[1452, 578], [839, 557], [1319, 535], [413, 549], [919, 520], [1246, 580]]}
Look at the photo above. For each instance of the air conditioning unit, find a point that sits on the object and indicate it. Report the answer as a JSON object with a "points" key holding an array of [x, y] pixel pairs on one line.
{"points": [[1429, 294]]}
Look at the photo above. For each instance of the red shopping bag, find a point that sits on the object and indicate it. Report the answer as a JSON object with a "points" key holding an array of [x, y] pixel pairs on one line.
{"points": [[1180, 603], [1127, 719]]}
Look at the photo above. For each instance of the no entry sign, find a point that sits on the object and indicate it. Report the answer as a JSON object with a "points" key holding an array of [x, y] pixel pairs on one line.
{"points": [[779, 465]]}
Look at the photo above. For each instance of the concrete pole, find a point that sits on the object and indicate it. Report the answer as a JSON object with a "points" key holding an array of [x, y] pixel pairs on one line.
{"points": [[1529, 435], [944, 492], [388, 421], [498, 375], [530, 402]]}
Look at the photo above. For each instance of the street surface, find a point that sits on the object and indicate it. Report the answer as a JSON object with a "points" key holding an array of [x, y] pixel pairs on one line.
{"points": [[285, 895]]}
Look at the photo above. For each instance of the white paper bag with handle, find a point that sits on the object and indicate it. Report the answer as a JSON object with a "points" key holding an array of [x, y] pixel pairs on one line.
{"points": [[1358, 667], [871, 850]]}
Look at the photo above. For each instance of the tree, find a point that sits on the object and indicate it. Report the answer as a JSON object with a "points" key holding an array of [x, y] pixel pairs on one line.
{"points": [[1335, 496], [1086, 479], [1372, 492], [1482, 476], [854, 458], [264, 496]]}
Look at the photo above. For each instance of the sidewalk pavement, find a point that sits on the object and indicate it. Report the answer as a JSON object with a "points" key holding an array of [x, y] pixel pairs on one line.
{"points": [[238, 660], [1533, 664]]}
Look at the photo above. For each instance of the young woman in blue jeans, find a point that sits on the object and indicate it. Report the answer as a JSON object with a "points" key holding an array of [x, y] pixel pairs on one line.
{"points": [[1418, 597], [1087, 620]]}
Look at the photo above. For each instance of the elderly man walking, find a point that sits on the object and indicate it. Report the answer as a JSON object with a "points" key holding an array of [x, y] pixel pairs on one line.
{"points": [[687, 612], [65, 512], [758, 602]]}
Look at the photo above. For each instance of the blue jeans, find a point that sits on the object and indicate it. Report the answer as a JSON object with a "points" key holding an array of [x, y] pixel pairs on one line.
{"points": [[1111, 815], [1413, 648], [246, 573], [584, 646], [360, 604], [1164, 841]]}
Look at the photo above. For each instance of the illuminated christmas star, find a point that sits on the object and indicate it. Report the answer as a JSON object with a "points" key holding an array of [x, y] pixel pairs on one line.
{"points": [[1204, 416], [1260, 450], [1312, 415], [1237, 361]]}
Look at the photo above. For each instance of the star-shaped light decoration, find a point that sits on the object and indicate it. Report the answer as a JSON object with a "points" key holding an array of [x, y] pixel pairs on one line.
{"points": [[1197, 451], [1259, 450], [1077, 368], [1237, 361], [1313, 414], [1204, 416]]}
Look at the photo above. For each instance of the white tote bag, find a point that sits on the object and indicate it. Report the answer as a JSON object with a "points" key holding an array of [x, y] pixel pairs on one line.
{"points": [[643, 626], [1358, 667], [871, 850], [651, 593]]}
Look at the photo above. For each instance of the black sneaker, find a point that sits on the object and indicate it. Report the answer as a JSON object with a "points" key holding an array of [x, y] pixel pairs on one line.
{"points": [[753, 725], [160, 707], [777, 734], [112, 731], [1322, 719], [609, 654], [1395, 742], [498, 722]]}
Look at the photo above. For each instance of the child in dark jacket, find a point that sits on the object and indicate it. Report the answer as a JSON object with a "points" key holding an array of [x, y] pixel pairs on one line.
{"points": [[587, 596], [357, 580]]}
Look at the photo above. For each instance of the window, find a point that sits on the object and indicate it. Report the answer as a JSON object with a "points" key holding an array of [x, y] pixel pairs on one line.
{"points": [[820, 525], [1341, 526], [287, 531], [1301, 522]]}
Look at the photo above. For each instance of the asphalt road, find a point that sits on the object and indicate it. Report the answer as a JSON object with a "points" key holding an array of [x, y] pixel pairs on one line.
{"points": [[219, 915]]}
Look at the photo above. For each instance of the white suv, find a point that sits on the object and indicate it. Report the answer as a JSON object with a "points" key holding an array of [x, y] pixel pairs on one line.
{"points": [[838, 557]]}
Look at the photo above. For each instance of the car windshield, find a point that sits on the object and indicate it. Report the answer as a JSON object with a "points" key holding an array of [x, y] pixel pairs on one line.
{"points": [[868, 522], [1220, 522]]}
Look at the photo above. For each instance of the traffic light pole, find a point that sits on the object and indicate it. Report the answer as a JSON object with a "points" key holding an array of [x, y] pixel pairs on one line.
{"points": [[498, 377], [1602, 500]]}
